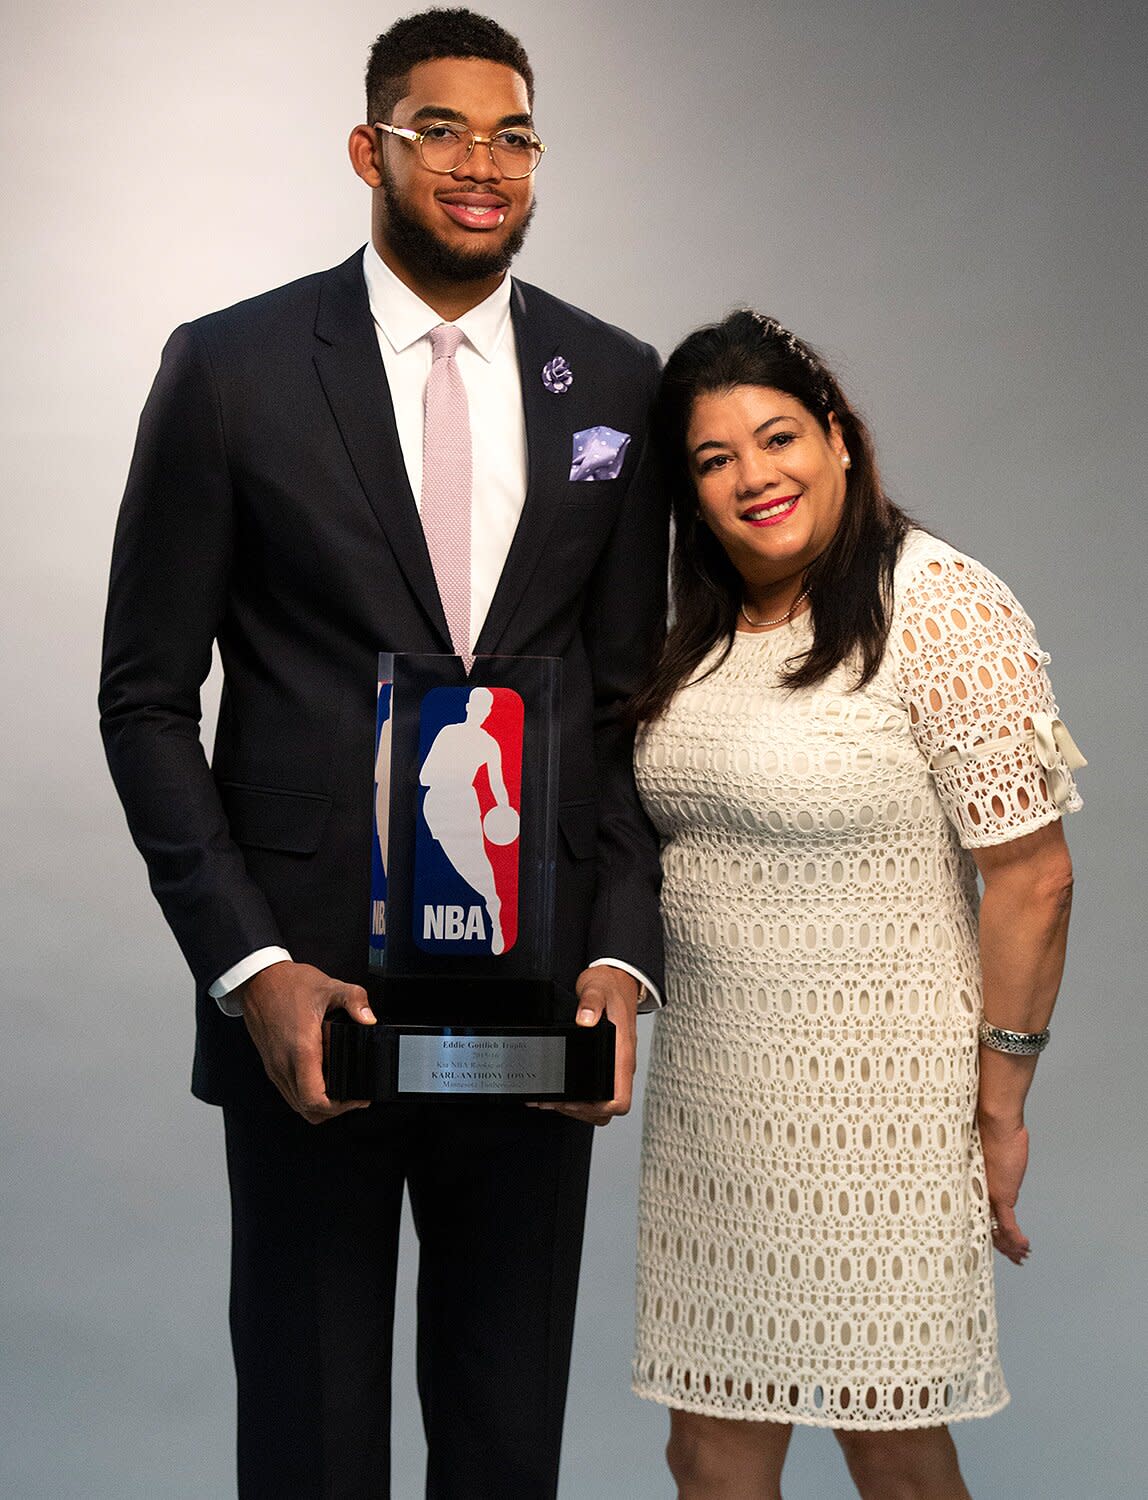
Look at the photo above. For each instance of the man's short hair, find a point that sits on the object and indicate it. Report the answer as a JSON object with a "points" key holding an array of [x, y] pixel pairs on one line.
{"points": [[433, 34]]}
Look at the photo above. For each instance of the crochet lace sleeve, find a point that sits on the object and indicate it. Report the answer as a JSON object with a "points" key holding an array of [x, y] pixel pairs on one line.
{"points": [[980, 702]]}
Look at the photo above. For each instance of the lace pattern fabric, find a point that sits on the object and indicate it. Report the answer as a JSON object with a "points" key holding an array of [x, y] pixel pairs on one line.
{"points": [[813, 1237], [980, 703]]}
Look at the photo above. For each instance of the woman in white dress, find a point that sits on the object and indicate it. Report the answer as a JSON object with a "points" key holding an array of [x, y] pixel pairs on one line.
{"points": [[850, 720]]}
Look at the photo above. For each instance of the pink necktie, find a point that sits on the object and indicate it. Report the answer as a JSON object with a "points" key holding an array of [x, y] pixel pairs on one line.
{"points": [[446, 484]]}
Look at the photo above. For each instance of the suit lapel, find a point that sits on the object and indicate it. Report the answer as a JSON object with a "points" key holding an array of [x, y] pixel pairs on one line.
{"points": [[350, 369], [547, 456]]}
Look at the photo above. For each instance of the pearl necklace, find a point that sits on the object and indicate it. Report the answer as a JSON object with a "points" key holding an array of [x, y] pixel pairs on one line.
{"points": [[781, 619]]}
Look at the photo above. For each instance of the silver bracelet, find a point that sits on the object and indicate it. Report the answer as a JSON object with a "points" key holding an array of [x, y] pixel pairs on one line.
{"points": [[1017, 1043]]}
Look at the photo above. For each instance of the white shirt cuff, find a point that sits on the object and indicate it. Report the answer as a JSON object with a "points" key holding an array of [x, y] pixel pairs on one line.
{"points": [[221, 990], [649, 996]]}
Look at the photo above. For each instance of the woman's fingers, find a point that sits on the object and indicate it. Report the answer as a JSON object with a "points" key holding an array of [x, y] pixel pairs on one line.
{"points": [[1008, 1237]]}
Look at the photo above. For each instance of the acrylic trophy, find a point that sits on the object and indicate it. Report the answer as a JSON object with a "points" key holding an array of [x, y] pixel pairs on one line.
{"points": [[462, 895]]}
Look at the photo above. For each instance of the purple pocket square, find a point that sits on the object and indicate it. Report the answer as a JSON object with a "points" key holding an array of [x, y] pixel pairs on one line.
{"points": [[599, 453]]}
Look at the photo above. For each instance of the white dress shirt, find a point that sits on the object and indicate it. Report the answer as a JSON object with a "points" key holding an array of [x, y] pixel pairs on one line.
{"points": [[487, 360]]}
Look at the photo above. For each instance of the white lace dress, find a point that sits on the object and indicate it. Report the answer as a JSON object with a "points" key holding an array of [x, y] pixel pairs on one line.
{"points": [[814, 1238]]}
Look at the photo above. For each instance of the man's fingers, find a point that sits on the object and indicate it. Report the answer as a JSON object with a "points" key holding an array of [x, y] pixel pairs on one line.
{"points": [[333, 1109], [591, 1004], [353, 999], [307, 1093], [589, 1114], [589, 1111], [625, 1061], [623, 1084], [305, 1075]]}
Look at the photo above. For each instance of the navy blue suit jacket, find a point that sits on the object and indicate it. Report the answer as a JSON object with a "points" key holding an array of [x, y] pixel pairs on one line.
{"points": [[268, 509]]}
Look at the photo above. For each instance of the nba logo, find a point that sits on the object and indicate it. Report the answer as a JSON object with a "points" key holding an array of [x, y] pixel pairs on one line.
{"points": [[466, 842]]}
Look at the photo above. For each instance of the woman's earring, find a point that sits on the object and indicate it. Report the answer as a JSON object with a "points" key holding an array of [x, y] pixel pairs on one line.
{"points": [[847, 462]]}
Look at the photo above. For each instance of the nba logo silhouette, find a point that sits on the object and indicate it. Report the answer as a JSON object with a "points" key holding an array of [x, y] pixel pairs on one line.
{"points": [[466, 841]]}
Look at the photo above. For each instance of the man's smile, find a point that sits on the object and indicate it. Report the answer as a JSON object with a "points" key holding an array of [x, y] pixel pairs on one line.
{"points": [[483, 210]]}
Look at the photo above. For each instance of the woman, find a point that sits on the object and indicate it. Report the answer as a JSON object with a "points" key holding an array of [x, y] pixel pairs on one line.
{"points": [[849, 720]]}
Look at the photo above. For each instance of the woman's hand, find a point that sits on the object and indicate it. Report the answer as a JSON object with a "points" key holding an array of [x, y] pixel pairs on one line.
{"points": [[1005, 1148]]}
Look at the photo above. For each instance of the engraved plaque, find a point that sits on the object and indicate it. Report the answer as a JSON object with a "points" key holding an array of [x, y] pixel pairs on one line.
{"points": [[481, 1064]]}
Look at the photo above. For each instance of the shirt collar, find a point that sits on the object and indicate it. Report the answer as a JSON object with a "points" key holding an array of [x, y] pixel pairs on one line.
{"points": [[405, 318]]}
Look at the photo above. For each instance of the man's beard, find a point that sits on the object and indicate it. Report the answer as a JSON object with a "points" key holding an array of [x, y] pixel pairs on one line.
{"points": [[421, 249]]}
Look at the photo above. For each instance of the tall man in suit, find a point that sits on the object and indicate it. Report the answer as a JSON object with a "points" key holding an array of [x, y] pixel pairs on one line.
{"points": [[278, 505]]}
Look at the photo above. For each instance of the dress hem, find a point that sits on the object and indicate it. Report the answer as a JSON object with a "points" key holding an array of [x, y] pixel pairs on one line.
{"points": [[800, 1419]]}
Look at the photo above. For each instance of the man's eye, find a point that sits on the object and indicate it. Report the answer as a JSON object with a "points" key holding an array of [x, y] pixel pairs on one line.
{"points": [[515, 139], [440, 133]]}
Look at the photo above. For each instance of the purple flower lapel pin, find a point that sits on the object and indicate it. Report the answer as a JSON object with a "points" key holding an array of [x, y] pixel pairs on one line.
{"points": [[557, 376]]}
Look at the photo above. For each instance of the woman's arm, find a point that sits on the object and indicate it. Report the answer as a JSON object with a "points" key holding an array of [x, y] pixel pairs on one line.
{"points": [[1023, 928]]}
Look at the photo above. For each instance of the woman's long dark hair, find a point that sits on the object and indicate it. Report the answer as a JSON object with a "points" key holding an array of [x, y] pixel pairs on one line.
{"points": [[850, 584]]}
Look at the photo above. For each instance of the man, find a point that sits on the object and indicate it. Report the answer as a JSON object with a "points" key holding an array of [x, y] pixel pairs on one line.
{"points": [[286, 501]]}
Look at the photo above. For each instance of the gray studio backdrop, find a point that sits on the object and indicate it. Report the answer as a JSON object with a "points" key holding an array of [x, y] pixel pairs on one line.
{"points": [[945, 197]]}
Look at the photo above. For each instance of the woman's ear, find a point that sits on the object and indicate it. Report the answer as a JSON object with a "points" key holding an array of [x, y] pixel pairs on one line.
{"points": [[837, 441]]}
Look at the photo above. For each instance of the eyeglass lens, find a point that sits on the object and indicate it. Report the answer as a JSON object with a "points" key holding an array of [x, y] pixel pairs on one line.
{"points": [[516, 152]]}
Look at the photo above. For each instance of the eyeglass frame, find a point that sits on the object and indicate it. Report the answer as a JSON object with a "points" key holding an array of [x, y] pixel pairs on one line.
{"points": [[415, 137]]}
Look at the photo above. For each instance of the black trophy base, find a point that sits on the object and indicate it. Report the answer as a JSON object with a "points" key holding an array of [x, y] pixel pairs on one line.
{"points": [[403, 1060]]}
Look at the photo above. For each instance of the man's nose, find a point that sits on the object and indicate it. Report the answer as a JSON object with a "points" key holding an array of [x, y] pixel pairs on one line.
{"points": [[479, 166]]}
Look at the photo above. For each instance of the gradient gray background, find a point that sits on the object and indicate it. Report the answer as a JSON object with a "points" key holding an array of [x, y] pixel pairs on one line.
{"points": [[946, 199]]}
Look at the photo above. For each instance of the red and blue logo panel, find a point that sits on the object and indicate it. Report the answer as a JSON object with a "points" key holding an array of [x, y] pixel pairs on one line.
{"points": [[470, 804]]}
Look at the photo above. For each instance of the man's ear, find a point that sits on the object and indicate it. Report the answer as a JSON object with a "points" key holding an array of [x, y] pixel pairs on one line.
{"points": [[363, 149]]}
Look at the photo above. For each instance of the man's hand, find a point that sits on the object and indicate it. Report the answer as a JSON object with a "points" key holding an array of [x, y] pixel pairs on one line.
{"points": [[613, 991], [284, 1006]]}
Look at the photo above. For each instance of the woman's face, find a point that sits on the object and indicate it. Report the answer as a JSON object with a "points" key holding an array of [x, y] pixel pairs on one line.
{"points": [[770, 481]]}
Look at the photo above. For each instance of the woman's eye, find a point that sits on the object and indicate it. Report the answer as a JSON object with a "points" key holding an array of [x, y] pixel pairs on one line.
{"points": [[781, 439], [719, 460]]}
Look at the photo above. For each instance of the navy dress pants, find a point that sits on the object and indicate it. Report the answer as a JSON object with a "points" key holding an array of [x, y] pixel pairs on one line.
{"points": [[498, 1195]]}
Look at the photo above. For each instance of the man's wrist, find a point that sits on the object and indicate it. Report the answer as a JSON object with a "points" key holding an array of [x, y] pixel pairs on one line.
{"points": [[226, 990], [649, 997]]}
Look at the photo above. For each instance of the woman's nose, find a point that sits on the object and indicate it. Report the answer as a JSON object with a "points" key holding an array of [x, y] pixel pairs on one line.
{"points": [[756, 473]]}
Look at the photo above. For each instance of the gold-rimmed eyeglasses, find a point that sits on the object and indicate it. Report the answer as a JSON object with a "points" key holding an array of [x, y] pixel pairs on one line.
{"points": [[444, 147]]}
